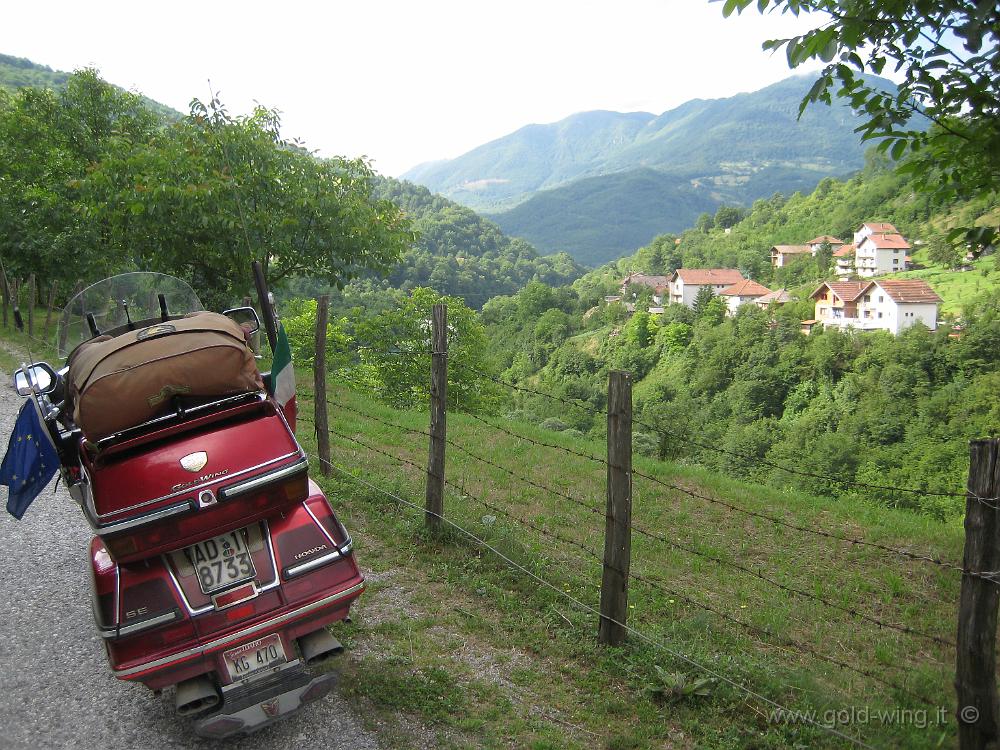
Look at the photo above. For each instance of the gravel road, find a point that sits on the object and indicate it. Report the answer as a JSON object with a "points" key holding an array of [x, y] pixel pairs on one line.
{"points": [[56, 689]]}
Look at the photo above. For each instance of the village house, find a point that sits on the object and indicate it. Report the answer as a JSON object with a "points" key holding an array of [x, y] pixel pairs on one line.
{"points": [[887, 304], [782, 255], [657, 283], [879, 254], [824, 239], [777, 297], [684, 283], [742, 292], [843, 260]]}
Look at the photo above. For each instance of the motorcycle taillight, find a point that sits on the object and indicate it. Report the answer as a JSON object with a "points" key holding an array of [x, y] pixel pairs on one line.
{"points": [[146, 646]]}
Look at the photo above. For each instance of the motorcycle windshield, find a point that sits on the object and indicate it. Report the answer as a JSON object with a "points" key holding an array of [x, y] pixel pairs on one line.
{"points": [[120, 300]]}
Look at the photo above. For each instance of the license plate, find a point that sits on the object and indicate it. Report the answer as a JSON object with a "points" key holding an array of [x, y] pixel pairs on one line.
{"points": [[221, 561], [250, 658]]}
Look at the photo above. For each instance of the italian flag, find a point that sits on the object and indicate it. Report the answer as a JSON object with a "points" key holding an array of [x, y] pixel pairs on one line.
{"points": [[283, 376]]}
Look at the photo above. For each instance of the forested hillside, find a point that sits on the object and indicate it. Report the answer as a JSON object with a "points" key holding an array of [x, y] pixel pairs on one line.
{"points": [[459, 253], [748, 394]]}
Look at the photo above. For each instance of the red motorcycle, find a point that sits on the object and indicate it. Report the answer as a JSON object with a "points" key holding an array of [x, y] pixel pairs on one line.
{"points": [[217, 563]]}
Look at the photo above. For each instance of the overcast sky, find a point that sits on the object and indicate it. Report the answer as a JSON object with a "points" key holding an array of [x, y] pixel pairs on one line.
{"points": [[403, 82]]}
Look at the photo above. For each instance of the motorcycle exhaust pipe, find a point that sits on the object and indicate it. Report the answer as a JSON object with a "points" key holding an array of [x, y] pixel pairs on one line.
{"points": [[195, 695], [319, 646]]}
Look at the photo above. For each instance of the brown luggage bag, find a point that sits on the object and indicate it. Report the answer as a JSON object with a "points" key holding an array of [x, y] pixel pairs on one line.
{"points": [[123, 381]]}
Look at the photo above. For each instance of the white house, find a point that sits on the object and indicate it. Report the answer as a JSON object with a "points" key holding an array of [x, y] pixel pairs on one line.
{"points": [[879, 254], [742, 292], [824, 239], [874, 227], [844, 261], [887, 304], [684, 283]]}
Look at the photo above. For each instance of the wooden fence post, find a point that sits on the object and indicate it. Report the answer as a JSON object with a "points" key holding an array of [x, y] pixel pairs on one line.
{"points": [[439, 416], [31, 305], [319, 383], [618, 525], [975, 669], [48, 307], [16, 295], [6, 296]]}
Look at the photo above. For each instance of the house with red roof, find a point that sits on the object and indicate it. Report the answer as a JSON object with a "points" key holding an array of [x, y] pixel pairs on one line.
{"points": [[657, 283], [879, 254], [843, 260], [684, 283], [742, 292], [886, 304]]}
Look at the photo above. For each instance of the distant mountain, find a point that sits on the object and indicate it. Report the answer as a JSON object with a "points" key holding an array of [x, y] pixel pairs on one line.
{"points": [[706, 153], [19, 72], [598, 219]]}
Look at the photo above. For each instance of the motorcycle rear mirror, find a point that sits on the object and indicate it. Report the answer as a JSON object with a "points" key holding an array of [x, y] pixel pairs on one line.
{"points": [[40, 375], [246, 317]]}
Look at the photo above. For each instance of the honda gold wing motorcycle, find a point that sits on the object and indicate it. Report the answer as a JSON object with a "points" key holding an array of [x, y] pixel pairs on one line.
{"points": [[217, 563]]}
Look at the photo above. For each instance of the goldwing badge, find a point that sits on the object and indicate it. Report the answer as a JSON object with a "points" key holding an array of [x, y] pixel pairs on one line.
{"points": [[194, 461]]}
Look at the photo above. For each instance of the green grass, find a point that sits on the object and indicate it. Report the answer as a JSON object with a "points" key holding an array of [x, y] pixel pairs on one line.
{"points": [[956, 288], [606, 697]]}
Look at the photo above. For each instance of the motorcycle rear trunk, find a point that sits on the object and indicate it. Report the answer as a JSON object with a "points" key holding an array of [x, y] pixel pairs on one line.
{"points": [[217, 564]]}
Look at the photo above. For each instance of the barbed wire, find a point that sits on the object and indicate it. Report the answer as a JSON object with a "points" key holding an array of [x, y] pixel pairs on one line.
{"points": [[593, 411], [905, 629], [655, 642], [987, 576]]}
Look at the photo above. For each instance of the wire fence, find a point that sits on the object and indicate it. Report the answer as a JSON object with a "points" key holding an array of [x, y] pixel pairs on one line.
{"points": [[900, 679]]}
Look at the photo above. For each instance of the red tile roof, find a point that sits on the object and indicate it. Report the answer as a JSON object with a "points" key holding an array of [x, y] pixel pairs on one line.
{"points": [[703, 276], [889, 241], [846, 290], [825, 238], [908, 290], [844, 251], [880, 227], [745, 288]]}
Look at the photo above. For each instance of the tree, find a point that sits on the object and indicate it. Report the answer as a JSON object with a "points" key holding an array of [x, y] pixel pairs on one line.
{"points": [[705, 223], [702, 299], [211, 193], [395, 351], [729, 216], [948, 53]]}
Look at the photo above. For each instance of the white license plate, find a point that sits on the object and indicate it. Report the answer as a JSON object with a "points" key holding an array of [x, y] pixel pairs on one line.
{"points": [[251, 658], [221, 561]]}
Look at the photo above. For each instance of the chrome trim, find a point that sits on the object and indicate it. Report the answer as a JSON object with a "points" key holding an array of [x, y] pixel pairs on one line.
{"points": [[194, 489], [321, 526], [276, 581], [118, 593], [113, 529], [180, 590], [317, 562], [151, 622], [254, 595], [242, 634], [302, 465]]}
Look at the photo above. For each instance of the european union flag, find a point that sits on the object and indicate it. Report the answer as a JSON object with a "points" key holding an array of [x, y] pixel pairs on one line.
{"points": [[30, 462]]}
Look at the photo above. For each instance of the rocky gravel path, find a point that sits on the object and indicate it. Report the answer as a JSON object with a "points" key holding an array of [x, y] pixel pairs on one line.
{"points": [[56, 689]]}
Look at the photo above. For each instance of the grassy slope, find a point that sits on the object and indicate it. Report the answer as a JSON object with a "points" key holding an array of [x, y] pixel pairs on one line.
{"points": [[554, 686], [955, 288], [451, 648]]}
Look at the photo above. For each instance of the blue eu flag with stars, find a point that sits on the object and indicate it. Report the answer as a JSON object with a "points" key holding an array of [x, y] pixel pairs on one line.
{"points": [[30, 462]]}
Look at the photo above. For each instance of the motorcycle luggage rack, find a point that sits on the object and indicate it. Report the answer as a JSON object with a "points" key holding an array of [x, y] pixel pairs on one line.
{"points": [[180, 418]]}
